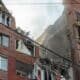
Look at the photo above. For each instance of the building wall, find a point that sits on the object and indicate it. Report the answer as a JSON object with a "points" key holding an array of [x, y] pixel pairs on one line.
{"points": [[3, 75], [71, 73], [11, 53], [11, 68], [72, 8], [55, 38], [43, 76]]}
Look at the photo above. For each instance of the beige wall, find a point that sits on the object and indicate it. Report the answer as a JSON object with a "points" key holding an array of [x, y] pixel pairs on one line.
{"points": [[55, 37]]}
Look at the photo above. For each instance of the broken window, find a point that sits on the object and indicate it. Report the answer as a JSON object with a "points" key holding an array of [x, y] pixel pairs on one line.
{"points": [[30, 46], [17, 41]]}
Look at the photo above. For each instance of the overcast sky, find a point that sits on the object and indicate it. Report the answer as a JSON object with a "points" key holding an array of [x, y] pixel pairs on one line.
{"points": [[34, 15]]}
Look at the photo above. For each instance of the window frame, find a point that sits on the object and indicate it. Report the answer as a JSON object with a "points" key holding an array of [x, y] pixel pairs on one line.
{"points": [[4, 57], [78, 29], [3, 18], [1, 42], [77, 15], [6, 18]]}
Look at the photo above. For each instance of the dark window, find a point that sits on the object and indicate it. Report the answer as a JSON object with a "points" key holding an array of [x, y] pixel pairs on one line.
{"points": [[49, 76], [3, 18], [8, 21], [45, 75], [0, 40], [17, 44], [79, 32], [4, 40], [78, 16], [78, 21], [18, 73], [30, 46]]}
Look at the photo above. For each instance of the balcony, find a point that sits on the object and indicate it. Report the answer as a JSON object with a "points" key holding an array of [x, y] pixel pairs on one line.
{"points": [[24, 71]]}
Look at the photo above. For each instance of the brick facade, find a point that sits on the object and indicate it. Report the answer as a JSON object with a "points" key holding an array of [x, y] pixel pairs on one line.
{"points": [[73, 6], [10, 52]]}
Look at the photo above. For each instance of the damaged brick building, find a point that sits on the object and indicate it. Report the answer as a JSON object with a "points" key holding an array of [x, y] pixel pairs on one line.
{"points": [[17, 53]]}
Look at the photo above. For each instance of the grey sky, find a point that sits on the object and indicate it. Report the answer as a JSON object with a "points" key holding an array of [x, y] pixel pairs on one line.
{"points": [[34, 17]]}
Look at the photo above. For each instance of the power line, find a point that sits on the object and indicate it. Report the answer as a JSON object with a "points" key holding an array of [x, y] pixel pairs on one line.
{"points": [[39, 3], [43, 3], [51, 51]]}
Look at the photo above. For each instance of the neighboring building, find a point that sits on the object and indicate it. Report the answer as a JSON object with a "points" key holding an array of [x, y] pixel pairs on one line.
{"points": [[55, 38], [73, 19], [66, 44]]}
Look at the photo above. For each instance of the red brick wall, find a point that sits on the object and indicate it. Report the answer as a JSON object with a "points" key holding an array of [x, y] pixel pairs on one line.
{"points": [[13, 23], [37, 51], [8, 32], [73, 6], [11, 52], [11, 68], [3, 75]]}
